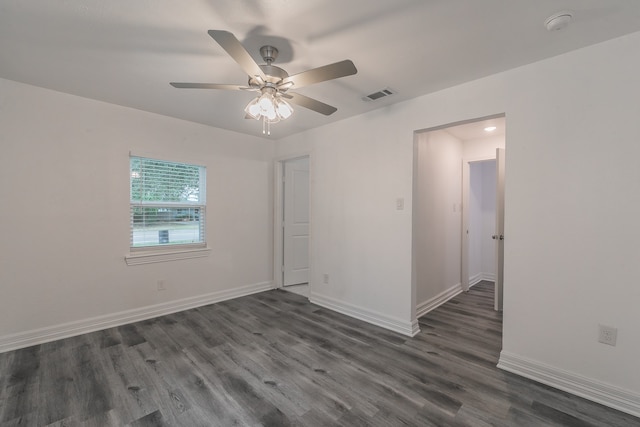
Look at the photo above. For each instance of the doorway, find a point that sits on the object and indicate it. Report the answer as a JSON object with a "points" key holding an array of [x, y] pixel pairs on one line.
{"points": [[292, 225], [479, 176], [441, 207]]}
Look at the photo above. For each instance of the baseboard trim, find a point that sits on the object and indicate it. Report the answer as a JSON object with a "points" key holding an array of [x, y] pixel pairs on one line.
{"points": [[489, 277], [605, 394], [66, 330], [428, 305], [375, 318], [477, 278]]}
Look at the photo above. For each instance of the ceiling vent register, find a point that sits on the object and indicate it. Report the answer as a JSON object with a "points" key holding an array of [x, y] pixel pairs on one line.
{"points": [[379, 94]]}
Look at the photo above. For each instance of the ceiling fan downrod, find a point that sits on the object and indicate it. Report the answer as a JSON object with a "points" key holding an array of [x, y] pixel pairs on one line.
{"points": [[269, 54]]}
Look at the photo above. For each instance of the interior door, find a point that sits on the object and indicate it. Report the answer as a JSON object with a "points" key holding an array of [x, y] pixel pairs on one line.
{"points": [[499, 233], [295, 257]]}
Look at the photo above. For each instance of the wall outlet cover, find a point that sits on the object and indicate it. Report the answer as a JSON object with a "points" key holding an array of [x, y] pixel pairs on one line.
{"points": [[607, 335]]}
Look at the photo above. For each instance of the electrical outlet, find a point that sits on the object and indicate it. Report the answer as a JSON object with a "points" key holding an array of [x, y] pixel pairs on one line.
{"points": [[161, 285], [607, 335], [325, 278]]}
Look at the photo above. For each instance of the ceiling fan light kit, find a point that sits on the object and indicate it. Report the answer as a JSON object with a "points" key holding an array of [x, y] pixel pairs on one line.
{"points": [[272, 82], [270, 107]]}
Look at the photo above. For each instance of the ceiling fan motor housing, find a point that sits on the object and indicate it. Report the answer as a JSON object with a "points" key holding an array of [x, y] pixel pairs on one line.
{"points": [[273, 74]]}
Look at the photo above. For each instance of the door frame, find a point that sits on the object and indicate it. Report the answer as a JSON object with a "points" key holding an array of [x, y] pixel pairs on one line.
{"points": [[414, 261], [278, 216], [499, 229]]}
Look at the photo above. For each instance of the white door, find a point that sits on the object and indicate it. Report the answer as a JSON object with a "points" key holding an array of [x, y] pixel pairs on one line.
{"points": [[499, 234], [296, 222]]}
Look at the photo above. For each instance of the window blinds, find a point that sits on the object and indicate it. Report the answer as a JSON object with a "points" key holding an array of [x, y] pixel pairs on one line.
{"points": [[167, 203]]}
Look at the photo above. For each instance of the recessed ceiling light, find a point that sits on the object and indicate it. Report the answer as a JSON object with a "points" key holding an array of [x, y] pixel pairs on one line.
{"points": [[490, 128]]}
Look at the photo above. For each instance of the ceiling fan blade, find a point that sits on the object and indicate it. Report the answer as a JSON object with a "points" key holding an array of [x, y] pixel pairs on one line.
{"points": [[234, 48], [310, 103], [208, 86], [321, 74]]}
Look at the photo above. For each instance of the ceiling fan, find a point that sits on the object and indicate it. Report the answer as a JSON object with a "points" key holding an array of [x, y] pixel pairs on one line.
{"points": [[272, 83]]}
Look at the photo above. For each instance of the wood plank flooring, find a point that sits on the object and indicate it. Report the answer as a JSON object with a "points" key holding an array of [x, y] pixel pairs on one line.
{"points": [[274, 359]]}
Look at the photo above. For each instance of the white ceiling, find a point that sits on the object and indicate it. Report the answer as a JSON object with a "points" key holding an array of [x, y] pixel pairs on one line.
{"points": [[476, 129], [126, 52]]}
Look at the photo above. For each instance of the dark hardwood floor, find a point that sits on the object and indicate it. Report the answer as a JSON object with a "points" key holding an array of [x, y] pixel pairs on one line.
{"points": [[274, 359]]}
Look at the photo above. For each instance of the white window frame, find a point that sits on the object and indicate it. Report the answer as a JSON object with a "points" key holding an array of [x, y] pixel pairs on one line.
{"points": [[169, 252]]}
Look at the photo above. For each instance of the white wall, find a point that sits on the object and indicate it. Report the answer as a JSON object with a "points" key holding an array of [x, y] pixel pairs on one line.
{"points": [[475, 222], [437, 205], [64, 187], [488, 219], [482, 219], [571, 205], [357, 235], [483, 148]]}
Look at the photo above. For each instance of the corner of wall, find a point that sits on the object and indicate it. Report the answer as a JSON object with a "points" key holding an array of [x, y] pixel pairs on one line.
{"points": [[408, 328], [435, 302]]}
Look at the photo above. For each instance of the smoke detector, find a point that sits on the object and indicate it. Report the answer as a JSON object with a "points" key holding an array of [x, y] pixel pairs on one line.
{"points": [[558, 21]]}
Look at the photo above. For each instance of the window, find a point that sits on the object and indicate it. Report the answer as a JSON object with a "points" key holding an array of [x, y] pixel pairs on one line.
{"points": [[167, 204]]}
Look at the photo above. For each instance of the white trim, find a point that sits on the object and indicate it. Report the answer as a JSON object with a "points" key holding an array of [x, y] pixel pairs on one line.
{"points": [[603, 393], [278, 218], [477, 278], [278, 215], [138, 258], [293, 156], [375, 318], [461, 122], [65, 330], [489, 277], [415, 327], [426, 306], [172, 157]]}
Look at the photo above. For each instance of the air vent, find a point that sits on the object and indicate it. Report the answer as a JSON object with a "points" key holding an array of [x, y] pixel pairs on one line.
{"points": [[379, 94]]}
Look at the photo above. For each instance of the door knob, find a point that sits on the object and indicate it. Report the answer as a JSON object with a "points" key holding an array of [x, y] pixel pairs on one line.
{"points": [[500, 237]]}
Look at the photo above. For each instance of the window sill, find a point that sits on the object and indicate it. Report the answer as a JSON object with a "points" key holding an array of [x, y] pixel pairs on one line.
{"points": [[138, 258]]}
